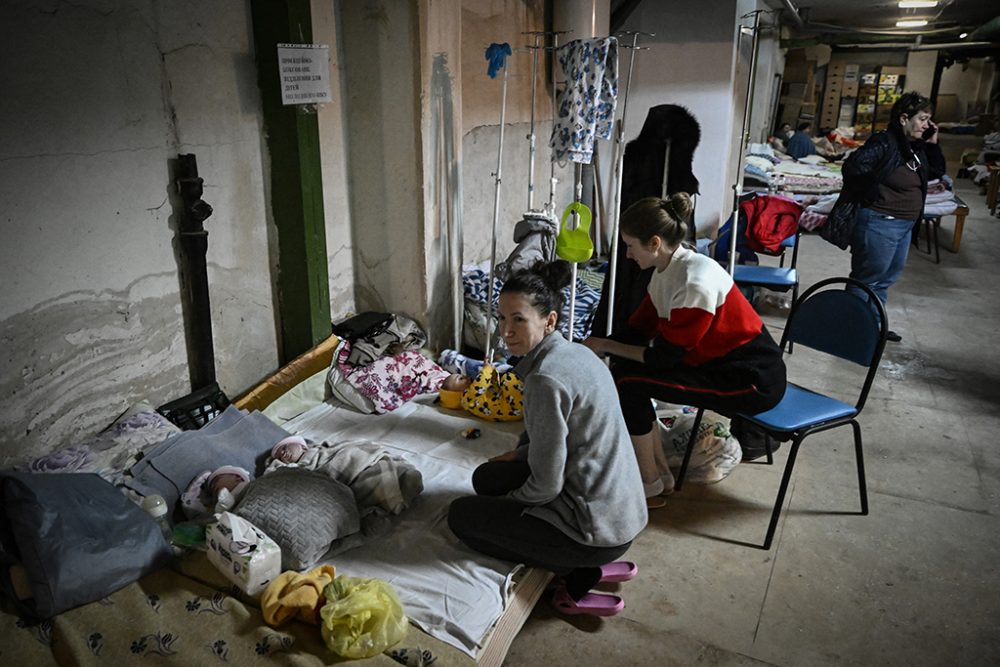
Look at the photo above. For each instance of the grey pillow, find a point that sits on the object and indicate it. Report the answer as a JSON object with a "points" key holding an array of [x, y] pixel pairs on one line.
{"points": [[78, 537], [303, 511]]}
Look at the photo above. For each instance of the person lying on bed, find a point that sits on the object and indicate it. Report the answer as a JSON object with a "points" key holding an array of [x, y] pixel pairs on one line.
{"points": [[569, 497], [492, 395], [384, 485], [214, 491]]}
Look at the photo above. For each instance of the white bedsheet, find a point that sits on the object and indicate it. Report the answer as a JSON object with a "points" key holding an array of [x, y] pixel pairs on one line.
{"points": [[449, 591]]}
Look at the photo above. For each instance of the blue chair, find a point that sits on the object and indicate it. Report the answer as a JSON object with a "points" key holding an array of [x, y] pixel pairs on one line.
{"points": [[837, 322], [779, 278]]}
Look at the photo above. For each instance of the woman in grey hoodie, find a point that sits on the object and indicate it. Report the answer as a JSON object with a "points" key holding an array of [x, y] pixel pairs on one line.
{"points": [[569, 499]]}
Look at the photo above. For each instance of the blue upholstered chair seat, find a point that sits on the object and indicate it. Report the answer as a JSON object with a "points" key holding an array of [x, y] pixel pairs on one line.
{"points": [[800, 408]]}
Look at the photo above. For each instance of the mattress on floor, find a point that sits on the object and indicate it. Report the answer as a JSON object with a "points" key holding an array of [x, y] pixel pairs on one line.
{"points": [[192, 614]]}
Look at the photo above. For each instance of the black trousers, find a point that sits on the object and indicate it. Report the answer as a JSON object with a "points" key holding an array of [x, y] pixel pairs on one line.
{"points": [[750, 379], [498, 527]]}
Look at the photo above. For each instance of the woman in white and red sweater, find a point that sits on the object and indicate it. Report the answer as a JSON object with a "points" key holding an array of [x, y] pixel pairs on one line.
{"points": [[694, 340]]}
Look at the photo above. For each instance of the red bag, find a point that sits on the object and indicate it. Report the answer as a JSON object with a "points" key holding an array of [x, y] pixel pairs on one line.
{"points": [[770, 220]]}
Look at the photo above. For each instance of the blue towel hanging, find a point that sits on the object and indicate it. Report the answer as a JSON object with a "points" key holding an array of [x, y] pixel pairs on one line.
{"points": [[496, 54]]}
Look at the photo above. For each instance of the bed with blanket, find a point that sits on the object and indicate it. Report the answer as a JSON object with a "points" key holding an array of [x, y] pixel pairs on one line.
{"points": [[124, 597], [476, 280]]}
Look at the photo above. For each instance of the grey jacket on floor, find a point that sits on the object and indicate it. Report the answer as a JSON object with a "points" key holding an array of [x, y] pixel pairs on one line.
{"points": [[584, 476]]}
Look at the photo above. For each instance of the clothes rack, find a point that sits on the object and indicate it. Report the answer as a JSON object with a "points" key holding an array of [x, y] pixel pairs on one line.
{"points": [[619, 160], [488, 357], [745, 133]]}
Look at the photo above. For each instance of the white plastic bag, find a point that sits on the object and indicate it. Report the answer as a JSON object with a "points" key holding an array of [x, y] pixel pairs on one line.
{"points": [[716, 452]]}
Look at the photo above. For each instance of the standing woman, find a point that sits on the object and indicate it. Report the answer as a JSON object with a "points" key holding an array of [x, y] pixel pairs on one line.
{"points": [[887, 177], [709, 347], [568, 499]]}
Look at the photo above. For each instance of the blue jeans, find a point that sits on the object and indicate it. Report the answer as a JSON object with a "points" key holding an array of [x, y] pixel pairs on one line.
{"points": [[879, 246]]}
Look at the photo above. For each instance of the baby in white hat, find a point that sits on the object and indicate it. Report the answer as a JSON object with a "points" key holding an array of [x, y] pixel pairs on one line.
{"points": [[218, 489]]}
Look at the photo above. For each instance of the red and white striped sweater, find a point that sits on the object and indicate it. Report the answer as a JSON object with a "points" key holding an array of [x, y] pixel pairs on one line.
{"points": [[697, 310]]}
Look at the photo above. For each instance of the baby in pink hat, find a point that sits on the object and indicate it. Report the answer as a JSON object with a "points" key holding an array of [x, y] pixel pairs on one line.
{"points": [[290, 449]]}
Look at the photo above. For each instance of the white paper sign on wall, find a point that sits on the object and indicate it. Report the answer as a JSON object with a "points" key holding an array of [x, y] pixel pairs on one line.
{"points": [[305, 73]]}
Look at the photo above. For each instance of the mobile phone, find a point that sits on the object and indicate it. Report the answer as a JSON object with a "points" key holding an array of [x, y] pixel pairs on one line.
{"points": [[930, 131]]}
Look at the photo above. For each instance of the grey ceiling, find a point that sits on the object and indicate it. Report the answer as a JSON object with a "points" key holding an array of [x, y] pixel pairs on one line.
{"points": [[875, 20]]}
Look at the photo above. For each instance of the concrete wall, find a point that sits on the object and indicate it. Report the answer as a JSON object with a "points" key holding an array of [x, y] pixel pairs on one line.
{"points": [[441, 130], [969, 82], [381, 66], [770, 62], [690, 62], [99, 96], [484, 23], [333, 142], [920, 66]]}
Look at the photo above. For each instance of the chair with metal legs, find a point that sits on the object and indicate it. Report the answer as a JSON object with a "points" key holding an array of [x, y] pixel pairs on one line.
{"points": [[839, 323]]}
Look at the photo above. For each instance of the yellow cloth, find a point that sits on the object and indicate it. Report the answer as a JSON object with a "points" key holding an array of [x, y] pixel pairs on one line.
{"points": [[294, 595], [450, 399], [495, 396]]}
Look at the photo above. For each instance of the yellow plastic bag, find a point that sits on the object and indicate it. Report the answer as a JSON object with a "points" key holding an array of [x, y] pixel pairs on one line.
{"points": [[361, 617], [495, 396]]}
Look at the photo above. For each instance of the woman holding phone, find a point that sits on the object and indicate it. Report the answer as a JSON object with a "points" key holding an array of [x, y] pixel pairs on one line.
{"points": [[888, 177]]}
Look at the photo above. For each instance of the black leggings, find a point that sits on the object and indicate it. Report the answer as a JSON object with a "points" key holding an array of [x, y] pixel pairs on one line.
{"points": [[497, 526], [750, 379]]}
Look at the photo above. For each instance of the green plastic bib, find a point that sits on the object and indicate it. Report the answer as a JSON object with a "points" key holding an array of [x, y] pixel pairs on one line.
{"points": [[574, 245]]}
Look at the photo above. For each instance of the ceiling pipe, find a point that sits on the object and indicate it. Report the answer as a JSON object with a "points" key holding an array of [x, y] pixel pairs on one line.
{"points": [[795, 13], [915, 47]]}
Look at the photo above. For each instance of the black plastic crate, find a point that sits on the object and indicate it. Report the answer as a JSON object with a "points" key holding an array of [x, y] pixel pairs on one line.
{"points": [[197, 408]]}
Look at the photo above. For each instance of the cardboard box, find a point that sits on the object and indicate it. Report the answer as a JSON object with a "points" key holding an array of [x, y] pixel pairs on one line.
{"points": [[851, 73], [242, 553]]}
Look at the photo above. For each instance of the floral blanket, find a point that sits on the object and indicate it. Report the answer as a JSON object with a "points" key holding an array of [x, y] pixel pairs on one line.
{"points": [[180, 617]]}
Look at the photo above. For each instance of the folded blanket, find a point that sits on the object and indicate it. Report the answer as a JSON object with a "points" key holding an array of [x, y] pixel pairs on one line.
{"points": [[232, 438], [293, 595]]}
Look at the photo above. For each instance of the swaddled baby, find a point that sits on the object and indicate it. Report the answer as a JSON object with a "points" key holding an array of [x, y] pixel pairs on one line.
{"points": [[214, 491], [383, 484]]}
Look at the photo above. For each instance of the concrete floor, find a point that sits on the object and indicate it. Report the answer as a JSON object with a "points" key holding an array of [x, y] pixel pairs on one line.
{"points": [[915, 582]]}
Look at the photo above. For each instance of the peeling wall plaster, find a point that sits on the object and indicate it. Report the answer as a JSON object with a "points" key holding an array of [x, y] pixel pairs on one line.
{"points": [[99, 97], [70, 365]]}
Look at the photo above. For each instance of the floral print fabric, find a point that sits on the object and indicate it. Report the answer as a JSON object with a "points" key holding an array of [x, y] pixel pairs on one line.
{"points": [[587, 104], [391, 381]]}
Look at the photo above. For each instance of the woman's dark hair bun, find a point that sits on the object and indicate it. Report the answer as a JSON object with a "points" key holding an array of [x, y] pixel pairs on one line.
{"points": [[555, 275]]}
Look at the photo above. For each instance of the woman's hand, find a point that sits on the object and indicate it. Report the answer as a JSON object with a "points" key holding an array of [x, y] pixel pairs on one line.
{"points": [[931, 135], [506, 456], [598, 346]]}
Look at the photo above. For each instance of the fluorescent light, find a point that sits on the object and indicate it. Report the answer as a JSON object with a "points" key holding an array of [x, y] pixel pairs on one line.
{"points": [[963, 35], [911, 23], [917, 4]]}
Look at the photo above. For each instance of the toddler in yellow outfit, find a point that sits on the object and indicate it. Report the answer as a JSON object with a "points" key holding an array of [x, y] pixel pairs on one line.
{"points": [[492, 395]]}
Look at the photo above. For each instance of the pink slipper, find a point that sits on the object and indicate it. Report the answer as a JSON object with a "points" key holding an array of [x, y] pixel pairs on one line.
{"points": [[621, 570], [594, 604]]}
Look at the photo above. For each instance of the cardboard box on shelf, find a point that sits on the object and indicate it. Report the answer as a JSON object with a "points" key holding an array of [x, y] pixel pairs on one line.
{"points": [[851, 73]]}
